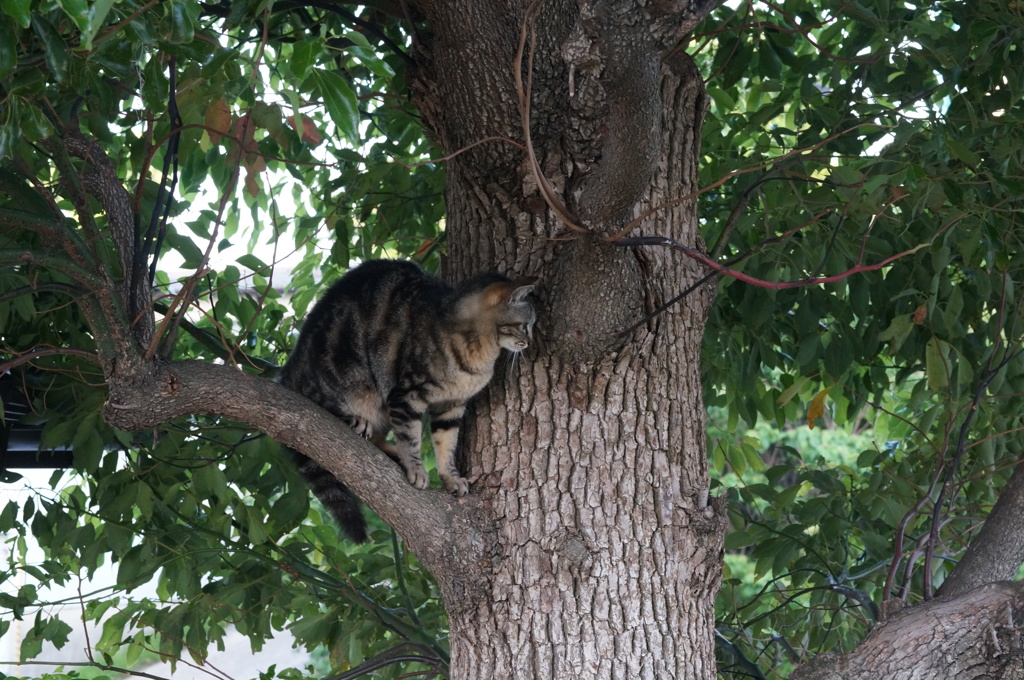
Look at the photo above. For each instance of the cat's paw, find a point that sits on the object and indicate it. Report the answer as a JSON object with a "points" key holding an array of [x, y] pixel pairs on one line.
{"points": [[455, 485], [418, 477], [361, 426]]}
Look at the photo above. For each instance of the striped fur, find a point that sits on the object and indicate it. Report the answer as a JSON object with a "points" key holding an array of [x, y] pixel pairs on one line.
{"points": [[389, 342]]}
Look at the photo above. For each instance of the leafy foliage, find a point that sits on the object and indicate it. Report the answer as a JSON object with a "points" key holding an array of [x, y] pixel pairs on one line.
{"points": [[286, 131], [852, 135], [838, 137]]}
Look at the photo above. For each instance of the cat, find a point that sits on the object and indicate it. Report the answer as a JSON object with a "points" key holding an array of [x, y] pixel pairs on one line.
{"points": [[389, 342]]}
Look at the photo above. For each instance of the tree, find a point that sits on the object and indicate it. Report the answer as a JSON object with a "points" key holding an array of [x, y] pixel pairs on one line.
{"points": [[591, 545]]}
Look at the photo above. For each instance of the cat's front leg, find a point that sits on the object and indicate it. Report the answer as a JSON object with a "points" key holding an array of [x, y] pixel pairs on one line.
{"points": [[408, 429], [444, 429]]}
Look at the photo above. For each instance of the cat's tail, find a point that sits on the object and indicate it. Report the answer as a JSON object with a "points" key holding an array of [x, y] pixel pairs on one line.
{"points": [[335, 496]]}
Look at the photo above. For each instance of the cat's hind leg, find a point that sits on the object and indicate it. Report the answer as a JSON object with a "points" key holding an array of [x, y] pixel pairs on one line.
{"points": [[444, 428], [407, 425], [379, 440]]}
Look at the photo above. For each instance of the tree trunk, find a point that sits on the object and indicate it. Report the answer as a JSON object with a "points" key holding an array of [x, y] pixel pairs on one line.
{"points": [[604, 553]]}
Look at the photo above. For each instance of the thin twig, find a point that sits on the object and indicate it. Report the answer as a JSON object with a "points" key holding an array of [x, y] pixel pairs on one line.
{"points": [[775, 285], [31, 356], [86, 664]]}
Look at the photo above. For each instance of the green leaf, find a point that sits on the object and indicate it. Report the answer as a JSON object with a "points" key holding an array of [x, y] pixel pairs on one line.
{"points": [[182, 30], [897, 332], [57, 632], [136, 563], [144, 501], [791, 391], [133, 650], [31, 644], [87, 444], [9, 517], [252, 262], [19, 10], [961, 152], [187, 248], [113, 632], [8, 50], [78, 10], [937, 366], [97, 17], [254, 525], [55, 51], [10, 132], [303, 57], [210, 482], [340, 101]]}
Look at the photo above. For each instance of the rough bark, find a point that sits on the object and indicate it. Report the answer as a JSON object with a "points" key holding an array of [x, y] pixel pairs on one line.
{"points": [[997, 552], [589, 456], [973, 636], [99, 178]]}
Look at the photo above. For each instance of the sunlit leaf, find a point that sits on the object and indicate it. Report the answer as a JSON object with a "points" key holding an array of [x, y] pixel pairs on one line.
{"points": [[340, 101]]}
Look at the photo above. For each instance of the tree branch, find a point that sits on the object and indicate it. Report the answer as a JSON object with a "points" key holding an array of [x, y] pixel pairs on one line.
{"points": [[672, 21], [101, 180], [997, 551], [48, 351], [404, 653], [774, 285], [87, 664], [628, 71], [907, 645], [443, 532]]}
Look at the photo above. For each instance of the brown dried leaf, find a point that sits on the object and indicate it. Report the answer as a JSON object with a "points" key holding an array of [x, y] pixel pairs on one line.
{"points": [[816, 409], [310, 133], [252, 185], [218, 119], [920, 314]]}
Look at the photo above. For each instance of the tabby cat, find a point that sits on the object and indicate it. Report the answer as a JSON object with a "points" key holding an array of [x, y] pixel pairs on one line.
{"points": [[389, 342]]}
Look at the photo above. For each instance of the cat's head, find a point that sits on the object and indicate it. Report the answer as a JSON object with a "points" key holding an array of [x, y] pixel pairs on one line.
{"points": [[515, 315], [504, 305]]}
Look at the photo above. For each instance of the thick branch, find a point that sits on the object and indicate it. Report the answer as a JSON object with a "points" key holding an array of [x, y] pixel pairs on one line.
{"points": [[623, 52], [674, 19], [440, 530], [975, 635], [101, 180], [997, 551]]}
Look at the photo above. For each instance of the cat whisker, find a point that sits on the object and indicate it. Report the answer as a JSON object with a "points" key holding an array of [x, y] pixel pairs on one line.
{"points": [[511, 361]]}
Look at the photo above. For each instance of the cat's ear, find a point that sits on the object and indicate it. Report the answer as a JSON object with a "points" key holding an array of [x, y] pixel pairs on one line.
{"points": [[508, 292], [523, 287]]}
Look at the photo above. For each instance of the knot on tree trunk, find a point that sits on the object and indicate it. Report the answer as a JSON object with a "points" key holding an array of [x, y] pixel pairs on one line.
{"points": [[595, 293]]}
